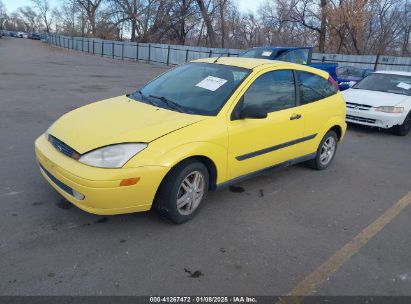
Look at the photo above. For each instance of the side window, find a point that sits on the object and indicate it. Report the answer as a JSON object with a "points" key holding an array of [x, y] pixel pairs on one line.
{"points": [[314, 87], [273, 91]]}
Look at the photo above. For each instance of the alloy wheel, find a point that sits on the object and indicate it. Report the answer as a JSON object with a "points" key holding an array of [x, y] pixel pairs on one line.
{"points": [[327, 150], [190, 193]]}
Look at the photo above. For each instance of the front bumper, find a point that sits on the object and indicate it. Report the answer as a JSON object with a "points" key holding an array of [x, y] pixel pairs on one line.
{"points": [[374, 118], [100, 187]]}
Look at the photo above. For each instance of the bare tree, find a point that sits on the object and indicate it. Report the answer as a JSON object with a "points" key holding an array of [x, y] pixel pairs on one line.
{"points": [[311, 14], [3, 15], [323, 26], [406, 30], [208, 23], [30, 18], [223, 5], [185, 14], [127, 11], [90, 7], [43, 6], [366, 26], [336, 26]]}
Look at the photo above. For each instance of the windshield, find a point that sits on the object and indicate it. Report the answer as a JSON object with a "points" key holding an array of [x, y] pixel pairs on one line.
{"points": [[389, 83], [194, 88], [348, 71], [299, 56], [260, 53]]}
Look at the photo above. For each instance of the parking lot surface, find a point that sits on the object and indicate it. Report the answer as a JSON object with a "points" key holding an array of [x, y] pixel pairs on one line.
{"points": [[262, 237]]}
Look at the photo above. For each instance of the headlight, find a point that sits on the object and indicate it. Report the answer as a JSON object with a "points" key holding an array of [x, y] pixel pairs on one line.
{"points": [[390, 109], [114, 156]]}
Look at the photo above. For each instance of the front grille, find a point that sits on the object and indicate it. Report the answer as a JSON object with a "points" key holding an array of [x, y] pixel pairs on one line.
{"points": [[62, 186], [358, 106], [63, 148], [361, 119]]}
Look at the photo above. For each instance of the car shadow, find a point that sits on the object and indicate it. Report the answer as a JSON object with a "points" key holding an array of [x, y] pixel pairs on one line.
{"points": [[362, 129]]}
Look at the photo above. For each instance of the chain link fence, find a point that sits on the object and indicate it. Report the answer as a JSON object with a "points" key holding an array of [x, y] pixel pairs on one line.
{"points": [[167, 54], [142, 52], [372, 62]]}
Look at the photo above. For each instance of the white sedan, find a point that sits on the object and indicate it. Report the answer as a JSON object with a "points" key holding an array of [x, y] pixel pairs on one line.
{"points": [[383, 100]]}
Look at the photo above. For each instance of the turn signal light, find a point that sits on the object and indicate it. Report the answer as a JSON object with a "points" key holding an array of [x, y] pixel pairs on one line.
{"points": [[129, 181], [75, 155]]}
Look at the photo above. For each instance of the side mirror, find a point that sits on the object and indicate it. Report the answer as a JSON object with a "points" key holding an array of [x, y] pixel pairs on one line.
{"points": [[254, 112]]}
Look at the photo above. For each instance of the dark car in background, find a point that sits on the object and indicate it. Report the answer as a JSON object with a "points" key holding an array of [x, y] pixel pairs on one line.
{"points": [[34, 36], [300, 55], [349, 76]]}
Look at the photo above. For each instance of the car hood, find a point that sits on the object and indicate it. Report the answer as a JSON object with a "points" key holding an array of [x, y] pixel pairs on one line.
{"points": [[117, 120], [373, 98]]}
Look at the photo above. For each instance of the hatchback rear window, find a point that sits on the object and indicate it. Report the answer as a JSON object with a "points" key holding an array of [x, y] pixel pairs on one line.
{"points": [[314, 87]]}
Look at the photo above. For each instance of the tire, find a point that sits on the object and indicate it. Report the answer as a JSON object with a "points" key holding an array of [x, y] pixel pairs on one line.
{"points": [[404, 129], [177, 185], [325, 152]]}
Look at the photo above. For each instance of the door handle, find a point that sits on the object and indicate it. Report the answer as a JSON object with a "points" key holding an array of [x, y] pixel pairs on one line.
{"points": [[295, 116]]}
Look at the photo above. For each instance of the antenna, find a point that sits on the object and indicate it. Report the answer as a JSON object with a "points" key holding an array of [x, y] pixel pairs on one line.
{"points": [[215, 61]]}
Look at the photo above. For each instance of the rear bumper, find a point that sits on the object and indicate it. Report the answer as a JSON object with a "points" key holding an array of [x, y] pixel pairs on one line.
{"points": [[374, 118], [100, 187]]}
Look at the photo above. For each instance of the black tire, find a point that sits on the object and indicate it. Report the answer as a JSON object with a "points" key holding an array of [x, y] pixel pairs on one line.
{"points": [[165, 201], [404, 129], [317, 163]]}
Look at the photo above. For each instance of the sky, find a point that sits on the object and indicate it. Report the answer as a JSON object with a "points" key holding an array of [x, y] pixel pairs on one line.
{"points": [[246, 5], [12, 5]]}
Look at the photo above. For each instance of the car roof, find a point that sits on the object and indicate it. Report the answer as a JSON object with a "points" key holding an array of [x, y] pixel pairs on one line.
{"points": [[253, 63], [402, 73], [278, 48]]}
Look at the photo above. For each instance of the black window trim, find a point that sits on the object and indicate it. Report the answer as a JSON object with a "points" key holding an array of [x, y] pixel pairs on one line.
{"points": [[234, 112], [297, 88]]}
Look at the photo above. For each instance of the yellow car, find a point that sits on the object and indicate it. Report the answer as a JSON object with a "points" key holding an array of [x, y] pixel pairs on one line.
{"points": [[198, 127]]}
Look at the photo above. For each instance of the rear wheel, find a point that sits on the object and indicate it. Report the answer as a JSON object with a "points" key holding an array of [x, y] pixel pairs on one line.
{"points": [[183, 190], [325, 152], [404, 129]]}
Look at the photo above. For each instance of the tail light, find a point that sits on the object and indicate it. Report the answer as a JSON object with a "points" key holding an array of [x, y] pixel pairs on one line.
{"points": [[334, 83]]}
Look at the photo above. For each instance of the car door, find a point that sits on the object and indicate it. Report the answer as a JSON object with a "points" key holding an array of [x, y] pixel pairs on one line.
{"points": [[318, 104], [256, 144]]}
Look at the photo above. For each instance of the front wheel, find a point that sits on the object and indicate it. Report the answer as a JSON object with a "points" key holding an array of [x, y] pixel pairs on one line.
{"points": [[404, 128], [325, 152], [183, 190]]}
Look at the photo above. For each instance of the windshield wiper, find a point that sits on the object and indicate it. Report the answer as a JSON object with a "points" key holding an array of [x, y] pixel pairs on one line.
{"points": [[170, 103], [145, 98]]}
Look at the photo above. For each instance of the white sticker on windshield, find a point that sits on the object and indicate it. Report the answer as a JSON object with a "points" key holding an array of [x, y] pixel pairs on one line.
{"points": [[403, 85], [211, 83], [266, 54]]}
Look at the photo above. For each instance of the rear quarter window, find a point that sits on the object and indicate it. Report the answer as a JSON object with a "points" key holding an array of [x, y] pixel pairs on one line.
{"points": [[314, 87]]}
